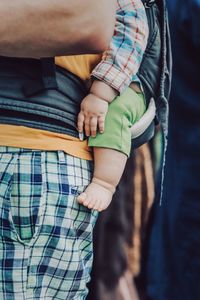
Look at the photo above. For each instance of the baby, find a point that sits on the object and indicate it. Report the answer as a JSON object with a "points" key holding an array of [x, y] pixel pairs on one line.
{"points": [[114, 103]]}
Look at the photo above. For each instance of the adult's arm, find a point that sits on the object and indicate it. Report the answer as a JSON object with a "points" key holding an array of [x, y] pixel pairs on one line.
{"points": [[42, 28]]}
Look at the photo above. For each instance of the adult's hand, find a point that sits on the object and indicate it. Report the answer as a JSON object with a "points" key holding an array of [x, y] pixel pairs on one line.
{"points": [[42, 28]]}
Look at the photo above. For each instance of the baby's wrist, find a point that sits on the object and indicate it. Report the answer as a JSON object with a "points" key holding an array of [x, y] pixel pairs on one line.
{"points": [[103, 91]]}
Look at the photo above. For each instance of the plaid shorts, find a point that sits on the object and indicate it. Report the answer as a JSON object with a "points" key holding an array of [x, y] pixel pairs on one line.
{"points": [[45, 235]]}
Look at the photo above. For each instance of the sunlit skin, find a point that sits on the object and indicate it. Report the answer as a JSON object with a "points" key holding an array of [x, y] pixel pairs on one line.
{"points": [[57, 27]]}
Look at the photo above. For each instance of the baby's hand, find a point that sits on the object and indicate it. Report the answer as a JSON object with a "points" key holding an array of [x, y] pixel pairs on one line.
{"points": [[92, 115]]}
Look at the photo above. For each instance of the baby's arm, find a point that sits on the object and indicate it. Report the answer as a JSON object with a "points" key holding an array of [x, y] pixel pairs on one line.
{"points": [[123, 57], [119, 63]]}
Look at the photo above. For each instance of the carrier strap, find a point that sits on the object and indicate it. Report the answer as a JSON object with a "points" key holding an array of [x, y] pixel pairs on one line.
{"points": [[148, 3], [49, 73], [48, 78]]}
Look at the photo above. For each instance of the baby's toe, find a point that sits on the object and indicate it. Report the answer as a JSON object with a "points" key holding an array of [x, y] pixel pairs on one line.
{"points": [[81, 198], [102, 206], [87, 201], [91, 203], [96, 204]]}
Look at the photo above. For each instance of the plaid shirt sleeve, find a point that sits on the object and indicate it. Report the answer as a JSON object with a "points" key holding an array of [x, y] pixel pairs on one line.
{"points": [[123, 57]]}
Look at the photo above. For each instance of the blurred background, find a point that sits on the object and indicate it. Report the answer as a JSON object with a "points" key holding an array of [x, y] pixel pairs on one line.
{"points": [[143, 250]]}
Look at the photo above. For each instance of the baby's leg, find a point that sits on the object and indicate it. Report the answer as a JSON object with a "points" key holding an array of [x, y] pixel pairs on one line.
{"points": [[109, 166], [123, 112]]}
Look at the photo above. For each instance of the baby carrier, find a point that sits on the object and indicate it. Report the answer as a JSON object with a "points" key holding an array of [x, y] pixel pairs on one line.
{"points": [[155, 74], [39, 94]]}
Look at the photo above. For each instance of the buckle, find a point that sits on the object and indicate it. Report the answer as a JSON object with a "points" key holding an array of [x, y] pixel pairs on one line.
{"points": [[149, 3]]}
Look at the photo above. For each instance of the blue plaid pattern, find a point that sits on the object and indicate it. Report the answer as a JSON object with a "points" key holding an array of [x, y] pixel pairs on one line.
{"points": [[45, 235]]}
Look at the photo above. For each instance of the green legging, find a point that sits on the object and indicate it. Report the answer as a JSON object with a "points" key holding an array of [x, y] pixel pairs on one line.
{"points": [[123, 112]]}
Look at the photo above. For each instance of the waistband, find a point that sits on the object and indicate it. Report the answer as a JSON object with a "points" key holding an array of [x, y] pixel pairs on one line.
{"points": [[53, 109]]}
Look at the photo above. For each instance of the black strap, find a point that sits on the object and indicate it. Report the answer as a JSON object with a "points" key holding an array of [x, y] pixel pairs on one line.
{"points": [[148, 3], [49, 73], [48, 79]]}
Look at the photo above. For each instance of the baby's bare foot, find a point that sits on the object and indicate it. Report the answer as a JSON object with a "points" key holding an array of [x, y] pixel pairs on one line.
{"points": [[97, 195]]}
